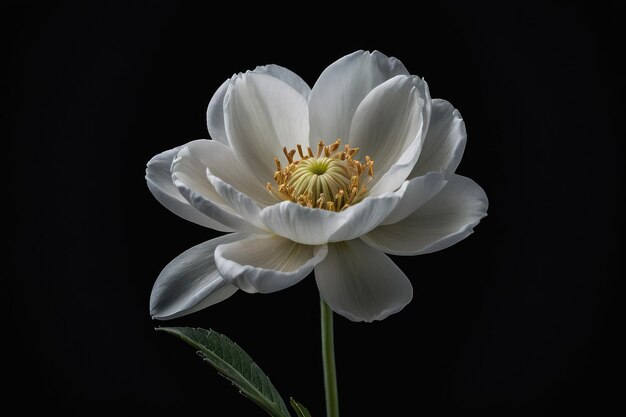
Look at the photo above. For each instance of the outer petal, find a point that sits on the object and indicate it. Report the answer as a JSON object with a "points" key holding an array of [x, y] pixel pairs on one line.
{"points": [[388, 126], [446, 219], [341, 88], [191, 282], [266, 263], [215, 114], [189, 176], [312, 226], [160, 184], [444, 143], [262, 115], [215, 111], [415, 193], [287, 76], [400, 170], [222, 162], [361, 283]]}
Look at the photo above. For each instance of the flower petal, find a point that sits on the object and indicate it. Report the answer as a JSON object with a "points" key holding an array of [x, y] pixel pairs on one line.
{"points": [[341, 88], [266, 263], [446, 219], [361, 283], [262, 115], [238, 201], [415, 193], [215, 111], [191, 282], [312, 226], [222, 162], [388, 126], [444, 143], [190, 177], [288, 76], [160, 184], [215, 114]]}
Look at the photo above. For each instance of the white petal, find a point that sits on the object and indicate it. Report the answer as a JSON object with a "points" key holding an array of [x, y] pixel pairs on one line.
{"points": [[262, 115], [215, 114], [215, 111], [266, 263], [401, 169], [222, 162], [341, 88], [444, 143], [446, 219], [191, 282], [415, 193], [388, 125], [159, 179], [288, 76], [238, 201], [189, 176], [312, 226], [361, 283]]}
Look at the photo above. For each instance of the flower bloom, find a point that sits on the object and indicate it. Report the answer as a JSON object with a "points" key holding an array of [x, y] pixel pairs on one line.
{"points": [[326, 179]]}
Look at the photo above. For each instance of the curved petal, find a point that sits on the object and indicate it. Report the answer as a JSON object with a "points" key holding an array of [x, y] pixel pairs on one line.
{"points": [[215, 111], [238, 201], [361, 283], [191, 282], [190, 177], [160, 184], [266, 263], [215, 114], [400, 170], [388, 123], [222, 162], [416, 192], [263, 114], [341, 88], [446, 219], [444, 143], [312, 226], [288, 76]]}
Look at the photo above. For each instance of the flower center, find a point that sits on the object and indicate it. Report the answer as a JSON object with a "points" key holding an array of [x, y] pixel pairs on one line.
{"points": [[330, 179]]}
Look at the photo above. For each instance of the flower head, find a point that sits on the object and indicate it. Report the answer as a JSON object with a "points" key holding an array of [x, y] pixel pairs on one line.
{"points": [[326, 179]]}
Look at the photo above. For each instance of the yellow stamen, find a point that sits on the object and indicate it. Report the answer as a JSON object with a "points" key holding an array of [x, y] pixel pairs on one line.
{"points": [[330, 180], [338, 197], [321, 201]]}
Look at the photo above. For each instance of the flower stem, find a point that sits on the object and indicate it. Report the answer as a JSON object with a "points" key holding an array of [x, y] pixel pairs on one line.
{"points": [[328, 358]]}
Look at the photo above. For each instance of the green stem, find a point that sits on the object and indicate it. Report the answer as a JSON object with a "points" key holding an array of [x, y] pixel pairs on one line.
{"points": [[328, 358]]}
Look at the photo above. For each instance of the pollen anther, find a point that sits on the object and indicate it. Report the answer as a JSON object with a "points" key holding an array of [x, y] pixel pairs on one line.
{"points": [[330, 179]]}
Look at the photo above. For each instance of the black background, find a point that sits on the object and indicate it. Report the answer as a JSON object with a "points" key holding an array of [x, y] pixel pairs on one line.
{"points": [[520, 318]]}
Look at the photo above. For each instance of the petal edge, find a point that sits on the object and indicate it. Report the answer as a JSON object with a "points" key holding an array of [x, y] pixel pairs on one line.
{"points": [[190, 282], [266, 263], [361, 283]]}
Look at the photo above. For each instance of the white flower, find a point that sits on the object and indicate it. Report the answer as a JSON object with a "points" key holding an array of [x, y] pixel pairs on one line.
{"points": [[323, 179]]}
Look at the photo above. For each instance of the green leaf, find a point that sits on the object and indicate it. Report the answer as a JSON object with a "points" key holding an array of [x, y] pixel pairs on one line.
{"points": [[301, 410], [234, 363]]}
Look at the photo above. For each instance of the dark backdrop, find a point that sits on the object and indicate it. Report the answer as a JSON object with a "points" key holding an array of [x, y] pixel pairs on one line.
{"points": [[520, 318]]}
